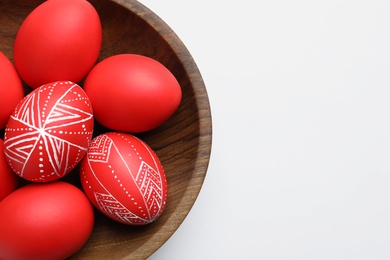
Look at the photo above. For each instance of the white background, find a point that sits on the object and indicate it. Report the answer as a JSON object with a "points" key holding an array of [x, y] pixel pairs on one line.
{"points": [[300, 98]]}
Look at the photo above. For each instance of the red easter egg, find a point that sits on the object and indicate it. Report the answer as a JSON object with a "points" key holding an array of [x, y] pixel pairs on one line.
{"points": [[44, 221], [58, 40], [8, 179], [141, 92], [124, 179], [11, 89], [49, 132]]}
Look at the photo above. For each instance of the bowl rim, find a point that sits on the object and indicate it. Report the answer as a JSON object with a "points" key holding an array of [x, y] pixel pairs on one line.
{"points": [[205, 127]]}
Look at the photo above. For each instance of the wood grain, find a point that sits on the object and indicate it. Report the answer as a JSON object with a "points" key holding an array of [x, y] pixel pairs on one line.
{"points": [[183, 143]]}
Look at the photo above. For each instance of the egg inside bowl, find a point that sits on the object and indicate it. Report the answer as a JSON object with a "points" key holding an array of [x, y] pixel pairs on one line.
{"points": [[182, 143]]}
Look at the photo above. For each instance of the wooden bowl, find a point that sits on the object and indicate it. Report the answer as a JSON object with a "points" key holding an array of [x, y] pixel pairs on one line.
{"points": [[183, 143]]}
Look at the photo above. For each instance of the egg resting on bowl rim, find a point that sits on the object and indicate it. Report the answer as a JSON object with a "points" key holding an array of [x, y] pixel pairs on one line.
{"points": [[124, 179]]}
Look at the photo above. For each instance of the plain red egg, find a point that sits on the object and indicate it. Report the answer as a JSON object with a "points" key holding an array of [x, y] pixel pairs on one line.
{"points": [[49, 131], [124, 179], [44, 221], [11, 89], [132, 93], [9, 181], [58, 40]]}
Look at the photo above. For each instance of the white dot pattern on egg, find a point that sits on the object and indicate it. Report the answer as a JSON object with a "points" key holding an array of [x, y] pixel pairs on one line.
{"points": [[124, 179], [49, 132]]}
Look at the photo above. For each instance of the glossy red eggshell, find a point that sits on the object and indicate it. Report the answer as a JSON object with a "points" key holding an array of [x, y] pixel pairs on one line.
{"points": [[9, 181], [58, 40], [44, 221], [49, 131], [124, 179], [11, 89], [132, 93]]}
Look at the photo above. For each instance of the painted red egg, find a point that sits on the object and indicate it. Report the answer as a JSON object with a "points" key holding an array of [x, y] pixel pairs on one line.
{"points": [[124, 179], [11, 89], [58, 40], [141, 91], [49, 132], [8, 179], [44, 221]]}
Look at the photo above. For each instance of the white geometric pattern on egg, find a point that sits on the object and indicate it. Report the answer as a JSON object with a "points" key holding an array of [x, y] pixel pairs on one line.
{"points": [[129, 176], [49, 132]]}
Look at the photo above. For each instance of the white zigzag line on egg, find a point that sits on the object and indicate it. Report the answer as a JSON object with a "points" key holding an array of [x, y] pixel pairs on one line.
{"points": [[14, 156], [158, 173], [72, 116], [110, 205], [100, 153], [149, 191], [58, 104], [110, 195], [148, 186]]}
